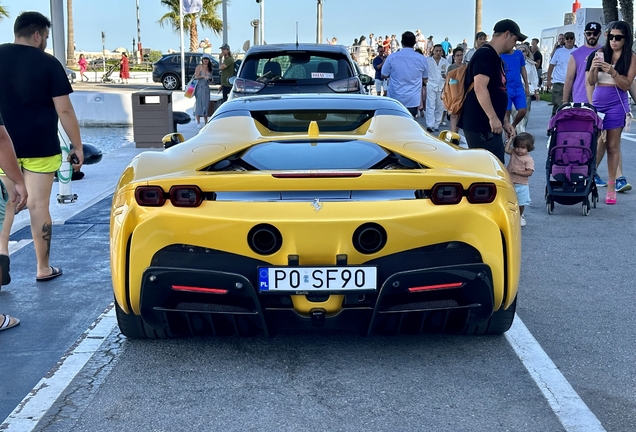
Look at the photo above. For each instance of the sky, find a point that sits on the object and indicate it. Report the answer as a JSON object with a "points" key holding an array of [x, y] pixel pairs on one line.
{"points": [[344, 19]]}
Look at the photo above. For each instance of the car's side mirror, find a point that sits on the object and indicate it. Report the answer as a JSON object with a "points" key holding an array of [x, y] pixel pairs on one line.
{"points": [[365, 79], [172, 139]]}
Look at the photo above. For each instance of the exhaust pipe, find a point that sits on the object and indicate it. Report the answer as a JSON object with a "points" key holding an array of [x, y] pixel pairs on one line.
{"points": [[369, 238], [265, 239]]}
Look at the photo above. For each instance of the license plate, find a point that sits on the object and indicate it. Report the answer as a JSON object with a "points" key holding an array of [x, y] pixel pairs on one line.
{"points": [[303, 280]]}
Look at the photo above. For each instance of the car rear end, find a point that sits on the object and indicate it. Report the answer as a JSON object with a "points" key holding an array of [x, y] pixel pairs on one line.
{"points": [[329, 230], [296, 71]]}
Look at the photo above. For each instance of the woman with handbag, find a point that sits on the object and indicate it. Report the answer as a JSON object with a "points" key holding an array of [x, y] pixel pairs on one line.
{"points": [[611, 71], [203, 75]]}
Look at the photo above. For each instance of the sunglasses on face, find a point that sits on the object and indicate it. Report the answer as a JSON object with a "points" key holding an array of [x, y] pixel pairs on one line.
{"points": [[589, 33], [615, 37], [569, 38]]}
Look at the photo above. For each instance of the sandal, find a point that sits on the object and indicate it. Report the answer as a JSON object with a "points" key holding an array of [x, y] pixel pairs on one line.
{"points": [[610, 198], [8, 322], [55, 272]]}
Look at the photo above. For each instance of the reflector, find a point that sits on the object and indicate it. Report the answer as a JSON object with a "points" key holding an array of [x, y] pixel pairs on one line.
{"points": [[436, 287], [199, 289]]}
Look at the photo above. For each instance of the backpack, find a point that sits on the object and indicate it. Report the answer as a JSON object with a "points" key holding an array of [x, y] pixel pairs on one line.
{"points": [[453, 94]]}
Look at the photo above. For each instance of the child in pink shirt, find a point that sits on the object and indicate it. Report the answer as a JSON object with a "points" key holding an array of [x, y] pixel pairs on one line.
{"points": [[521, 167]]}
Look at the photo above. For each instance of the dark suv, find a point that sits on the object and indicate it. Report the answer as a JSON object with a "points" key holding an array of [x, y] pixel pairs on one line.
{"points": [[167, 70], [298, 68]]}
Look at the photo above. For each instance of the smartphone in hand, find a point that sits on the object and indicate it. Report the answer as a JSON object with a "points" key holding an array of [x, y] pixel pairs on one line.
{"points": [[599, 56], [74, 159]]}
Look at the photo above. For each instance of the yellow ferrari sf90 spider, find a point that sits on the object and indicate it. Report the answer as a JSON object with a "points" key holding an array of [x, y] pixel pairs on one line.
{"points": [[314, 211]]}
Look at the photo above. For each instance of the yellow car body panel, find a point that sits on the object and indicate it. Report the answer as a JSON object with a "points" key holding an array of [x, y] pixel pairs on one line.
{"points": [[317, 237]]}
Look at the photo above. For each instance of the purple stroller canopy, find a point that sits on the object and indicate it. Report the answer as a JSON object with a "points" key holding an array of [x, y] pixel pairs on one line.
{"points": [[576, 114]]}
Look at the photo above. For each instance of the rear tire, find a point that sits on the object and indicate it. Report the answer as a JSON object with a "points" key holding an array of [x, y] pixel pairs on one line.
{"points": [[170, 82], [499, 323], [133, 327]]}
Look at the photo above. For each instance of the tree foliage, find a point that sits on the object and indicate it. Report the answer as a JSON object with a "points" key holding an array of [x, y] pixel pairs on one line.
{"points": [[4, 12], [207, 17]]}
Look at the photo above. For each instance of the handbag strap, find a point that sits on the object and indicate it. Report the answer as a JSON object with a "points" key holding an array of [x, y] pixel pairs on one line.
{"points": [[621, 99]]}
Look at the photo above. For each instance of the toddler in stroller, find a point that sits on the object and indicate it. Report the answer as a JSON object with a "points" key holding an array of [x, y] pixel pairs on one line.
{"points": [[106, 77], [571, 162]]}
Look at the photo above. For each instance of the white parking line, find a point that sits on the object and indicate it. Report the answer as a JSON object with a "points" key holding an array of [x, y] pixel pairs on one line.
{"points": [[32, 408], [569, 408]]}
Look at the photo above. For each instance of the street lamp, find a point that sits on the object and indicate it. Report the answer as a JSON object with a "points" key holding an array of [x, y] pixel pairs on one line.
{"points": [[261, 25], [319, 22]]}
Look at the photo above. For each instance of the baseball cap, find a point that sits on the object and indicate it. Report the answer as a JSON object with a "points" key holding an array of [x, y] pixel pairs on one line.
{"points": [[568, 34], [593, 26], [480, 34], [225, 46], [511, 26]]}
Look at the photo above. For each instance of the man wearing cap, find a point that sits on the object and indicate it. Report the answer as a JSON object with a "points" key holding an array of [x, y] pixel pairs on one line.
{"points": [[480, 40], [557, 71], [483, 114], [227, 69]]}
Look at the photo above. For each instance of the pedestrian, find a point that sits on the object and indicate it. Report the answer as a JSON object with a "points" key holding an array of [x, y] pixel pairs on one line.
{"points": [[394, 44], [124, 71], [206, 46], [520, 167], [407, 72], [538, 58], [203, 75], [420, 40], [31, 102], [611, 71], [515, 63], [378, 62], [458, 60], [437, 67], [429, 46], [446, 46], [557, 70], [83, 65], [480, 39], [227, 69], [9, 164], [484, 111], [560, 43], [533, 86], [363, 58]]}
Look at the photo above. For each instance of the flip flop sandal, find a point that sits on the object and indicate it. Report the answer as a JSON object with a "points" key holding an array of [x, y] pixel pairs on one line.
{"points": [[8, 322], [55, 272]]}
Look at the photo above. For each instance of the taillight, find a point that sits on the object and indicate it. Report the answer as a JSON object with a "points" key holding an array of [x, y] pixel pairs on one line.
{"points": [[150, 196], [185, 196], [242, 85], [482, 193], [447, 193], [345, 85]]}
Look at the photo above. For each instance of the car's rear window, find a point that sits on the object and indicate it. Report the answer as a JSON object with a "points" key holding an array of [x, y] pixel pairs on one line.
{"points": [[303, 67], [314, 155], [298, 121]]}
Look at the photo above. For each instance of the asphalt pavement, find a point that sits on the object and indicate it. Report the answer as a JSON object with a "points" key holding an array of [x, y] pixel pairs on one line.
{"points": [[576, 298]]}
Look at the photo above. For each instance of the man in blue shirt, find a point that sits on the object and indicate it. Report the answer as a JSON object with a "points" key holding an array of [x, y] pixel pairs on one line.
{"points": [[515, 64], [378, 62], [446, 46], [407, 73]]}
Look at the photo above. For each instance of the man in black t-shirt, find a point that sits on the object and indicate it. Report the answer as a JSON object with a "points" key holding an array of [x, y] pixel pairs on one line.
{"points": [[483, 114], [537, 57], [35, 94], [9, 163]]}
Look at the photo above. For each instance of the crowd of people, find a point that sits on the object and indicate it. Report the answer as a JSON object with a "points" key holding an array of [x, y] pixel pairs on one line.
{"points": [[503, 76]]}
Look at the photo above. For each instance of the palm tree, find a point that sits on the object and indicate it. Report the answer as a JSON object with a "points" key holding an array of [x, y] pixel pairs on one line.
{"points": [[207, 17], [4, 12], [610, 10], [477, 16], [627, 8], [70, 40]]}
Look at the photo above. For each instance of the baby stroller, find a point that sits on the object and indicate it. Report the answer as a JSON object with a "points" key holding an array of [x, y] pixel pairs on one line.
{"points": [[106, 77], [571, 163]]}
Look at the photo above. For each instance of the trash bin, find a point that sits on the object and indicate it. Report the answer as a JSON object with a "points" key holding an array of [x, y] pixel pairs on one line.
{"points": [[152, 117], [215, 102]]}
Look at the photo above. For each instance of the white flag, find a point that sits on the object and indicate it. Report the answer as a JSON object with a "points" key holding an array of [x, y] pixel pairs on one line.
{"points": [[192, 6]]}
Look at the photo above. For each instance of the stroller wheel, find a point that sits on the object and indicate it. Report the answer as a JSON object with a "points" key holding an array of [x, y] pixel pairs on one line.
{"points": [[586, 208], [549, 206]]}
